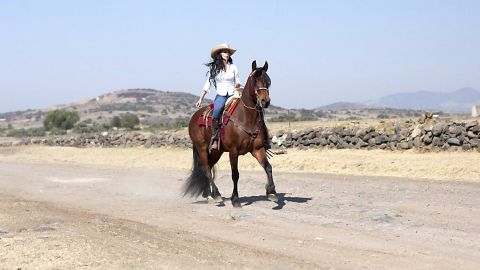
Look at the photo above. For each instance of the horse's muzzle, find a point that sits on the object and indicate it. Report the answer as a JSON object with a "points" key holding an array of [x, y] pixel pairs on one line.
{"points": [[265, 103]]}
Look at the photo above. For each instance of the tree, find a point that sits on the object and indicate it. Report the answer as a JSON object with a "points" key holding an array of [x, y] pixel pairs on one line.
{"points": [[129, 120], [61, 119], [116, 122]]}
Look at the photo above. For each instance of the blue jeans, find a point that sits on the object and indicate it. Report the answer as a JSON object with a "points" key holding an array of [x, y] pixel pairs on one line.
{"points": [[218, 105]]}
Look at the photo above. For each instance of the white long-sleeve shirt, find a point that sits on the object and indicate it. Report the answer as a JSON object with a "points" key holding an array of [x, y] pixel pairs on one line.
{"points": [[225, 81]]}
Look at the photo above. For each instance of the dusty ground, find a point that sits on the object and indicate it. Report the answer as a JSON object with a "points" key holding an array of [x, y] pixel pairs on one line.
{"points": [[451, 166], [65, 208]]}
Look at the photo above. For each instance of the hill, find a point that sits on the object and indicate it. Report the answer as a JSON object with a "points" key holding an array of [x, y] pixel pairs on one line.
{"points": [[341, 106], [150, 105], [166, 109], [460, 100]]}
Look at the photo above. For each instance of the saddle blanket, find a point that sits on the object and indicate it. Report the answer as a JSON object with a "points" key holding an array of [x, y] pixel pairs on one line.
{"points": [[205, 118]]}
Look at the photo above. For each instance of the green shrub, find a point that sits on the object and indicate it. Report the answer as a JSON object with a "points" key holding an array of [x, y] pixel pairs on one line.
{"points": [[58, 131], [181, 122], [60, 119], [129, 120], [306, 114], [383, 116], [16, 133], [283, 118], [82, 128], [320, 114], [116, 122], [30, 132], [165, 124]]}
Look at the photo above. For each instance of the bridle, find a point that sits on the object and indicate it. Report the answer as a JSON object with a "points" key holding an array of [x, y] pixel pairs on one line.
{"points": [[253, 132], [258, 107]]}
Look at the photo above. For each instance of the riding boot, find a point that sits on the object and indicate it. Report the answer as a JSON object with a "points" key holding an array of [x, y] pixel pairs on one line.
{"points": [[215, 133]]}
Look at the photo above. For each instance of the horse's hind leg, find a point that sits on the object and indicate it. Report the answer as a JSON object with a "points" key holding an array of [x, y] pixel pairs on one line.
{"points": [[212, 160], [235, 175], [204, 160], [261, 157]]}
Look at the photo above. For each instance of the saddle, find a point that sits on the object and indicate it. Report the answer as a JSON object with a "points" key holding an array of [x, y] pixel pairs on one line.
{"points": [[205, 119]]}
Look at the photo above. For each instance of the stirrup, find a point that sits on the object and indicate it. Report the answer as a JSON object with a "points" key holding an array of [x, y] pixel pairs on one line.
{"points": [[214, 145]]}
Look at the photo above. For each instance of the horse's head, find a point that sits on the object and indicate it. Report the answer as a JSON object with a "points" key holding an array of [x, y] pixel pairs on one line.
{"points": [[260, 83]]}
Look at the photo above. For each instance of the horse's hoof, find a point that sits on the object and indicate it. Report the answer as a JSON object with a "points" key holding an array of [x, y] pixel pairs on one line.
{"points": [[210, 199], [206, 193], [236, 203], [218, 199], [272, 197]]}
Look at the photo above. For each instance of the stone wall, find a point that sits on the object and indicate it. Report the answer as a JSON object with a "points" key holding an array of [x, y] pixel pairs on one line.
{"points": [[116, 139], [394, 136], [427, 136]]}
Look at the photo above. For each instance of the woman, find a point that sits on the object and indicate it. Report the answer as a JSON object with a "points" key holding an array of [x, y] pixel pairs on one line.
{"points": [[223, 74]]}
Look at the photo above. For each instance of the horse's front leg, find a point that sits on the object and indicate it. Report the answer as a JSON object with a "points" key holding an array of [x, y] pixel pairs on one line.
{"points": [[235, 176], [261, 157]]}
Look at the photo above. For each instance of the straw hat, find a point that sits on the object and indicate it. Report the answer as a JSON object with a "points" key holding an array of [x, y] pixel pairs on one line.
{"points": [[219, 47]]}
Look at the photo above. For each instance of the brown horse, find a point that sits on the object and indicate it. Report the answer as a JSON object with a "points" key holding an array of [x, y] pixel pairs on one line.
{"points": [[244, 133]]}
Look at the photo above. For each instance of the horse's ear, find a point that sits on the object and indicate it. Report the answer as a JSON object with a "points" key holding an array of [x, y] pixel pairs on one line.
{"points": [[254, 65], [265, 67]]}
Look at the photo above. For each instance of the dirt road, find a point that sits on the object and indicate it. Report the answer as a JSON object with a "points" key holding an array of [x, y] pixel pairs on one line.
{"points": [[66, 216]]}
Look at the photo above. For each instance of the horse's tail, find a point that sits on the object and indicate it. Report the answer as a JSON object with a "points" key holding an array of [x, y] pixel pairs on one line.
{"points": [[198, 181]]}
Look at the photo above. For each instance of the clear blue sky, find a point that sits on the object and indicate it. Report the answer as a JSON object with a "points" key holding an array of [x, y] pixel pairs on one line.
{"points": [[319, 52]]}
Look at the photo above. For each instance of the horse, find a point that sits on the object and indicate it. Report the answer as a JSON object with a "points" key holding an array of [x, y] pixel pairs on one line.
{"points": [[244, 133]]}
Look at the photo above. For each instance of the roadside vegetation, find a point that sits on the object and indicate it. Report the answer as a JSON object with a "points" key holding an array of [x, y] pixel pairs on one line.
{"points": [[61, 122], [173, 116]]}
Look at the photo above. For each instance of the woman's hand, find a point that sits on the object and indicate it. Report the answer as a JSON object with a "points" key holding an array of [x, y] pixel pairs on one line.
{"points": [[199, 103], [200, 99]]}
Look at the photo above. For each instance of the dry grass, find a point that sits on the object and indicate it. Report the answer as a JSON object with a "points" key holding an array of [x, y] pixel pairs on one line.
{"points": [[450, 166], [301, 125]]}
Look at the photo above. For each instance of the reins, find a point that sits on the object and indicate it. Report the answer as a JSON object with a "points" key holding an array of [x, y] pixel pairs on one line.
{"points": [[248, 107], [252, 132]]}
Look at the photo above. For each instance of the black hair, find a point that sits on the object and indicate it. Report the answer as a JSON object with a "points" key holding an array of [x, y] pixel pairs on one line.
{"points": [[215, 66]]}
